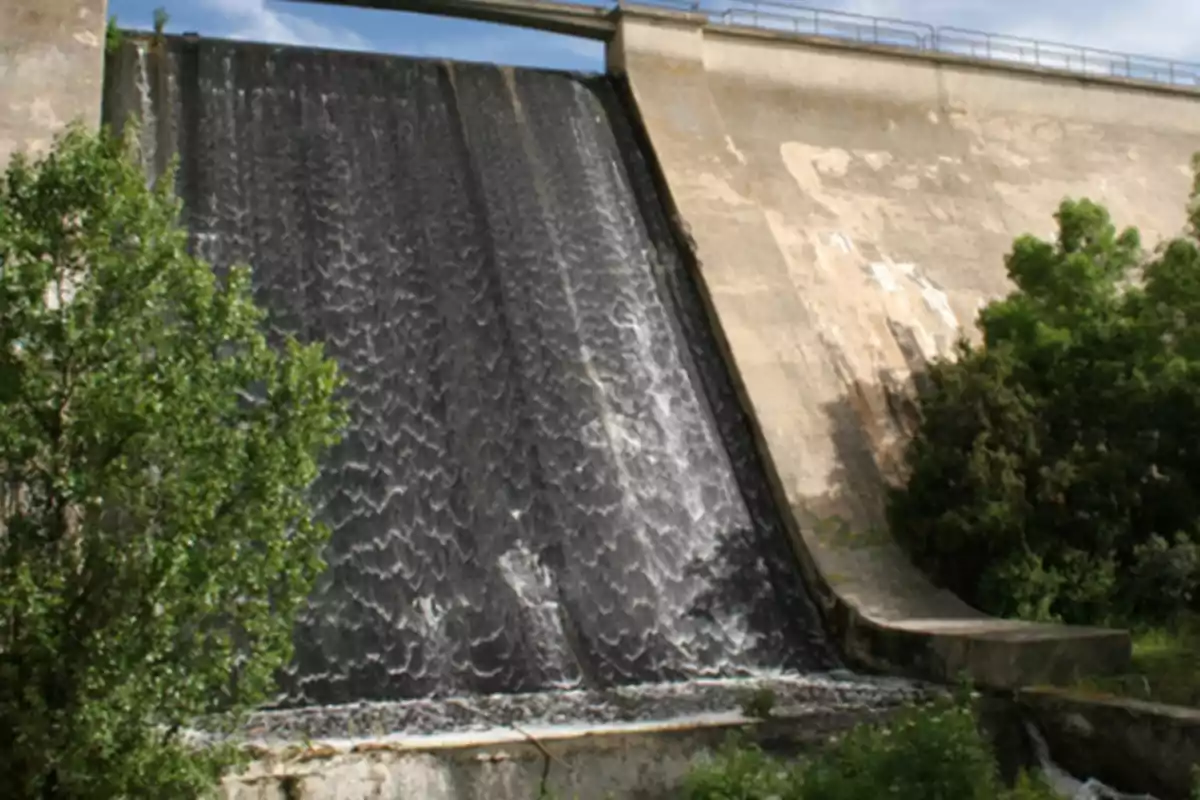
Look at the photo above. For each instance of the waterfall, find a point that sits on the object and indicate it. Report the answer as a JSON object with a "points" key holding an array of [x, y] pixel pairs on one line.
{"points": [[548, 482]]}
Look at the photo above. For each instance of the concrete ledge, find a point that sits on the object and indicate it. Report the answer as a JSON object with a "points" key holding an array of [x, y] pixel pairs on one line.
{"points": [[1131, 745], [626, 761], [887, 616]]}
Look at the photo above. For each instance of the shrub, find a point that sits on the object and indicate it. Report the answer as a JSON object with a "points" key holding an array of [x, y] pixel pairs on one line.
{"points": [[1054, 474], [933, 752], [155, 456], [742, 772]]}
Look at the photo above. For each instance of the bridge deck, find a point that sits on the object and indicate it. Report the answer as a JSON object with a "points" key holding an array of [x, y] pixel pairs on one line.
{"points": [[572, 19], [598, 20]]}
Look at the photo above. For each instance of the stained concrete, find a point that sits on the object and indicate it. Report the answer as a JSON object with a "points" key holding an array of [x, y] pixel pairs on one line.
{"points": [[51, 62], [849, 210]]}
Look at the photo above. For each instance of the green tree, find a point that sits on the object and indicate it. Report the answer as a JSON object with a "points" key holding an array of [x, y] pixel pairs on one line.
{"points": [[1055, 472], [156, 452]]}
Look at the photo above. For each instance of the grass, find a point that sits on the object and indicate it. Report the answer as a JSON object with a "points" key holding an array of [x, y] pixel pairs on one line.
{"points": [[1165, 666]]}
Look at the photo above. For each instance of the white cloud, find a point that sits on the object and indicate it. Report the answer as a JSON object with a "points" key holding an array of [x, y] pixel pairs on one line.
{"points": [[1164, 28], [255, 20]]}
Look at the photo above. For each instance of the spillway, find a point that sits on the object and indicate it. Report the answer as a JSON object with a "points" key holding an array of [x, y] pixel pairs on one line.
{"points": [[548, 481]]}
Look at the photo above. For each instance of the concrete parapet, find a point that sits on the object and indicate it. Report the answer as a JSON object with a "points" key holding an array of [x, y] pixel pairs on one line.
{"points": [[51, 64], [849, 210]]}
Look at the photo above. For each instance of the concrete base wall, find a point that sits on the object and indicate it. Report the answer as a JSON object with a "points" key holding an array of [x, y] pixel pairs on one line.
{"points": [[51, 65], [639, 763], [850, 209]]}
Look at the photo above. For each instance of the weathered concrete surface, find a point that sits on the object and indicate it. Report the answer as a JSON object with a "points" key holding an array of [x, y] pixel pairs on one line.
{"points": [[636, 762], [51, 62], [1129, 744], [850, 209]]}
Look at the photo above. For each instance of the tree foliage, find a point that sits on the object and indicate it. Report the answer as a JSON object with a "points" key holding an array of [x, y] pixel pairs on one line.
{"points": [[933, 752], [1056, 469], [156, 535]]}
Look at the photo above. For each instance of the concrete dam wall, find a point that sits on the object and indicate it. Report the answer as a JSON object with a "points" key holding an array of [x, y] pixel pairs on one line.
{"points": [[850, 208]]}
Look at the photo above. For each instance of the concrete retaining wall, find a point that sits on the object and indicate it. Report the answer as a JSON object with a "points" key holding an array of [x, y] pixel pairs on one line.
{"points": [[1129, 744], [648, 761], [850, 209], [51, 62]]}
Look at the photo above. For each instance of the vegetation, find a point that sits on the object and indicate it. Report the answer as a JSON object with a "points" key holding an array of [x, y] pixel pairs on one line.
{"points": [[1055, 472], [156, 535], [927, 753], [161, 18], [1165, 667], [759, 703], [113, 37]]}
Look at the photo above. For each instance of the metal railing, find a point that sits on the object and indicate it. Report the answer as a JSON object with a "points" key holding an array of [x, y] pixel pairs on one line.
{"points": [[782, 15], [860, 28], [1068, 57]]}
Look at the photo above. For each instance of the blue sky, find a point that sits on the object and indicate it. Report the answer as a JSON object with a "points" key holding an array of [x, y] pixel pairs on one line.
{"points": [[1167, 28]]}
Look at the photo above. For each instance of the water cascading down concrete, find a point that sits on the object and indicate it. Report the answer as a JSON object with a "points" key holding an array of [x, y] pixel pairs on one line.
{"points": [[548, 480]]}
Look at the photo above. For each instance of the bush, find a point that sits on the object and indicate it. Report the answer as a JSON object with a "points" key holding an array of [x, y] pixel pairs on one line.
{"points": [[743, 772], [155, 455], [1055, 473], [926, 753]]}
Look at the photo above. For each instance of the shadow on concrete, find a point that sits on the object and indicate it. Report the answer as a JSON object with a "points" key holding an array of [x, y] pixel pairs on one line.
{"points": [[870, 426]]}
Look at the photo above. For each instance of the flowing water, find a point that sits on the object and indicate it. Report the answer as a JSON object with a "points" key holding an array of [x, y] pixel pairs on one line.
{"points": [[548, 482]]}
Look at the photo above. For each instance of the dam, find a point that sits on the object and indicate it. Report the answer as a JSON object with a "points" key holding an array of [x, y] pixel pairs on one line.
{"points": [[628, 355], [548, 481]]}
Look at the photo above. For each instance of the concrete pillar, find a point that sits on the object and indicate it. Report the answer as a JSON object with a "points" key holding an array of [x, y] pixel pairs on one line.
{"points": [[51, 70], [654, 33]]}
